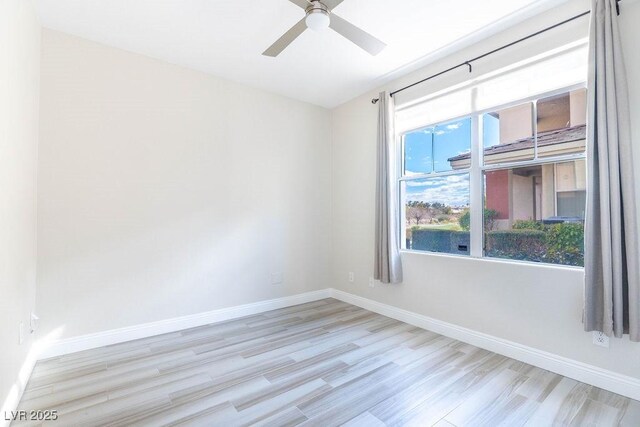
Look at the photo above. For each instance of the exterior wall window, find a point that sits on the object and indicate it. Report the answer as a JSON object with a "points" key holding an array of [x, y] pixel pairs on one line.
{"points": [[434, 198], [531, 169]]}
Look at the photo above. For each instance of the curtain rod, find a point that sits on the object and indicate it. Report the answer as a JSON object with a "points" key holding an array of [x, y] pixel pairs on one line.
{"points": [[468, 62]]}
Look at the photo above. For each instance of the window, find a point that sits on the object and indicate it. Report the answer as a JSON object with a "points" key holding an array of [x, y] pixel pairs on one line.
{"points": [[529, 170], [434, 190], [504, 131]]}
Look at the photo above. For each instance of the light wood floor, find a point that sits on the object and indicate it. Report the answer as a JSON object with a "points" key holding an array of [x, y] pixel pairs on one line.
{"points": [[324, 363]]}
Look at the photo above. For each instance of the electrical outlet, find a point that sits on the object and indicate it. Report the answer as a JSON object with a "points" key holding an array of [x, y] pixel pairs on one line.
{"points": [[352, 277], [372, 283], [600, 339], [20, 333], [276, 278]]}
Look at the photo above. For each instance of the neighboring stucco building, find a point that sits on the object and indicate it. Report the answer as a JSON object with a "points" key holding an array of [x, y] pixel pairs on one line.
{"points": [[537, 192]]}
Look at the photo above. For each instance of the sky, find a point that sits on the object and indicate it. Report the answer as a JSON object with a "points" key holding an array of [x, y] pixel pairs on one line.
{"points": [[490, 130], [427, 151], [452, 190]]}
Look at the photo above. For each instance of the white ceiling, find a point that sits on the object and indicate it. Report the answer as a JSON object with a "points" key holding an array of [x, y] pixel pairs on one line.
{"points": [[226, 37]]}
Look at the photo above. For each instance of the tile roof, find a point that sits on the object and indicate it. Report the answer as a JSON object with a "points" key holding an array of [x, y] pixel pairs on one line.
{"points": [[552, 137]]}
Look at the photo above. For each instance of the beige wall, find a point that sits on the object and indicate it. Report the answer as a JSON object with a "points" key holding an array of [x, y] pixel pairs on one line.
{"points": [[166, 192], [516, 123], [522, 193], [548, 191], [19, 79], [578, 107], [533, 305]]}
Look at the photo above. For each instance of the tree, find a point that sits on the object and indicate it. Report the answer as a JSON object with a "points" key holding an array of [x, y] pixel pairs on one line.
{"points": [[417, 211], [465, 220], [438, 207], [490, 217]]}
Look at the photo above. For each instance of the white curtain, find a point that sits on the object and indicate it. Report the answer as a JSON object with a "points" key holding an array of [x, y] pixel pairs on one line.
{"points": [[387, 265], [612, 260]]}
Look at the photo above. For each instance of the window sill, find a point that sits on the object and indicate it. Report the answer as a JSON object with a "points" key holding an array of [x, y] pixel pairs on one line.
{"points": [[494, 260]]}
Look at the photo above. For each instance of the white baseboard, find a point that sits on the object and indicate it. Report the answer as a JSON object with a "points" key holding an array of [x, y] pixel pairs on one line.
{"points": [[129, 333], [608, 380], [43, 350], [602, 378]]}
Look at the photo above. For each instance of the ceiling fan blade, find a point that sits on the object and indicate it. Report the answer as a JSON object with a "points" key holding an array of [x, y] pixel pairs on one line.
{"points": [[286, 39], [360, 37], [302, 3], [331, 4]]}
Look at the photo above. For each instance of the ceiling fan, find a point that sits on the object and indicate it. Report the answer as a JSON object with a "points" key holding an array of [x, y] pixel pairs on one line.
{"points": [[319, 16]]}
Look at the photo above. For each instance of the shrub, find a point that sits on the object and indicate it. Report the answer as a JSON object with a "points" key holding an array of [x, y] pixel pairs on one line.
{"points": [[558, 243], [528, 224], [529, 245], [566, 243], [490, 217], [465, 220]]}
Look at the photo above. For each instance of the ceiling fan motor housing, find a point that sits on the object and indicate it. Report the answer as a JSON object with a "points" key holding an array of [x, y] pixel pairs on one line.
{"points": [[317, 6], [317, 16]]}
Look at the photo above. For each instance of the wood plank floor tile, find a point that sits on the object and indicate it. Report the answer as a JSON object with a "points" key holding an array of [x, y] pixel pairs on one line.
{"points": [[364, 420], [323, 363]]}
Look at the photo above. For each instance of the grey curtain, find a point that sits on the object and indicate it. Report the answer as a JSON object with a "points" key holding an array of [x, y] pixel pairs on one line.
{"points": [[387, 265], [612, 280]]}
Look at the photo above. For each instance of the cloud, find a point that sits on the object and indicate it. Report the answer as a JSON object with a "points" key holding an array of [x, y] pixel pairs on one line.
{"points": [[457, 178], [423, 183], [454, 126], [452, 190]]}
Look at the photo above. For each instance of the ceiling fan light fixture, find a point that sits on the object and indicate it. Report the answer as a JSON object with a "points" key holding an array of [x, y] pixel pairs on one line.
{"points": [[317, 19], [318, 16]]}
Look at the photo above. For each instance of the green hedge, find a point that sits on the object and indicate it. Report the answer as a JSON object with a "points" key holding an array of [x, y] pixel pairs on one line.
{"points": [[529, 224], [433, 240], [566, 243], [534, 241], [527, 241], [527, 245]]}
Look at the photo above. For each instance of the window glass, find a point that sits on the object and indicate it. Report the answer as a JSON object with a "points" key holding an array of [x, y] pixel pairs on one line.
{"points": [[536, 213], [571, 186], [490, 130], [436, 214], [452, 145], [562, 123], [533, 175], [571, 204], [418, 152], [508, 134]]}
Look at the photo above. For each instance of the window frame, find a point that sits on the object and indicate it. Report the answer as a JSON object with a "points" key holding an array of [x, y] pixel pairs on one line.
{"points": [[400, 163], [476, 171]]}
